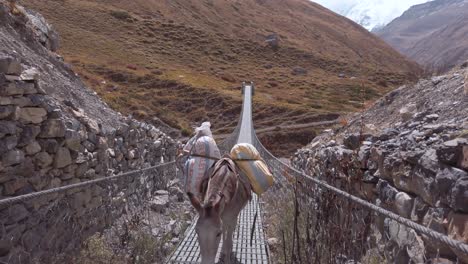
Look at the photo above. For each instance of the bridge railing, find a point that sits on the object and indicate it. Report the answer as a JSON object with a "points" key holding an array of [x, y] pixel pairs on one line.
{"points": [[313, 225], [327, 222], [49, 226]]}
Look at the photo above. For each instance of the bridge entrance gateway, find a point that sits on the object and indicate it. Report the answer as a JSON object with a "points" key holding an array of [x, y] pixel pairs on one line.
{"points": [[245, 250]]}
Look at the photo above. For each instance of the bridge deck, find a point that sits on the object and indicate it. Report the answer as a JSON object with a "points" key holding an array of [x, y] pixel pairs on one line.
{"points": [[188, 250]]}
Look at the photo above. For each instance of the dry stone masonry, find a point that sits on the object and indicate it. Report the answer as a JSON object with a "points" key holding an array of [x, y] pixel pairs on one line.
{"points": [[408, 153], [44, 145], [54, 132]]}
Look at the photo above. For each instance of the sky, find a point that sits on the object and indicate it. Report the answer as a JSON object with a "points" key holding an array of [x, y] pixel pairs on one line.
{"points": [[370, 13]]}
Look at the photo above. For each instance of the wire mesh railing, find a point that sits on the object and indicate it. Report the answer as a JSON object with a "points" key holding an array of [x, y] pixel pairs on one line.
{"points": [[50, 226], [322, 223]]}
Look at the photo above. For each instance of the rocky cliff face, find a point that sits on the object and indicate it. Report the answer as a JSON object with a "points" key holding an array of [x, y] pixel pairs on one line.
{"points": [[433, 34], [54, 131], [409, 154]]}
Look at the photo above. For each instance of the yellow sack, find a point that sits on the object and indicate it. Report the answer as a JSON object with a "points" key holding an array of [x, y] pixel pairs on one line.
{"points": [[251, 164]]}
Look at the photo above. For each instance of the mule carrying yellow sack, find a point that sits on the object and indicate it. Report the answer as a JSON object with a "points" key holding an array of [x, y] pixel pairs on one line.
{"points": [[252, 165]]}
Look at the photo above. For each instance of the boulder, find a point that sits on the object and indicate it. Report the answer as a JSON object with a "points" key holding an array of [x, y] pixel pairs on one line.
{"points": [[52, 128], [408, 111], [272, 40], [89, 146], [459, 195], [431, 117], [29, 134], [30, 75], [14, 214], [406, 238], [8, 143], [111, 152], [458, 230], [386, 192], [177, 192], [160, 202], [43, 159], [299, 71], [13, 186], [466, 84], [10, 66], [423, 185], [352, 141], [451, 152], [445, 181], [72, 140], [33, 115], [49, 145], [463, 163], [92, 125], [403, 204], [11, 89], [438, 79], [29, 87], [45, 34], [9, 112], [161, 193], [429, 161], [62, 158], [388, 133], [6, 100], [7, 128], [12, 157], [21, 101], [435, 219], [419, 210], [32, 148]]}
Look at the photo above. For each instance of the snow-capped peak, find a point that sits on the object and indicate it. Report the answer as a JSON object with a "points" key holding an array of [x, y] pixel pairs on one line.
{"points": [[371, 14]]}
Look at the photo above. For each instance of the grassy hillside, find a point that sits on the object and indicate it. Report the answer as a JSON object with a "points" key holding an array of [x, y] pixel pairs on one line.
{"points": [[183, 60]]}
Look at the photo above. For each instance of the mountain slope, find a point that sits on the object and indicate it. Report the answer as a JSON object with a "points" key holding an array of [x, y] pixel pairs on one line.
{"points": [[433, 34], [183, 61]]}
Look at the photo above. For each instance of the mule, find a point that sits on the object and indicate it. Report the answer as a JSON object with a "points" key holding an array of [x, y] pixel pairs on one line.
{"points": [[225, 194]]}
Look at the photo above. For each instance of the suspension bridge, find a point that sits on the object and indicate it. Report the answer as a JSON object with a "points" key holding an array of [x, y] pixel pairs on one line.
{"points": [[314, 233]]}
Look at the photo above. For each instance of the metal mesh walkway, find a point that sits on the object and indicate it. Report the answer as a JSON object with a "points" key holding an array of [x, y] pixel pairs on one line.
{"points": [[245, 252]]}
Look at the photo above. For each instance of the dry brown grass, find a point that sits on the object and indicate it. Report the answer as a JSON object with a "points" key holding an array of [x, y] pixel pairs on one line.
{"points": [[182, 51]]}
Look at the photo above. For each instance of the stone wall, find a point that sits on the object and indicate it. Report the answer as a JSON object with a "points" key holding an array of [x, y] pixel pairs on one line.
{"points": [[46, 143], [416, 167]]}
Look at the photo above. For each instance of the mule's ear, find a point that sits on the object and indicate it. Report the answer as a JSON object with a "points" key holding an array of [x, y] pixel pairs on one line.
{"points": [[195, 202]]}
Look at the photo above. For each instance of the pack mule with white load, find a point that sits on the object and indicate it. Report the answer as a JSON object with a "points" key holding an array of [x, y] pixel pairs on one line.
{"points": [[198, 156]]}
